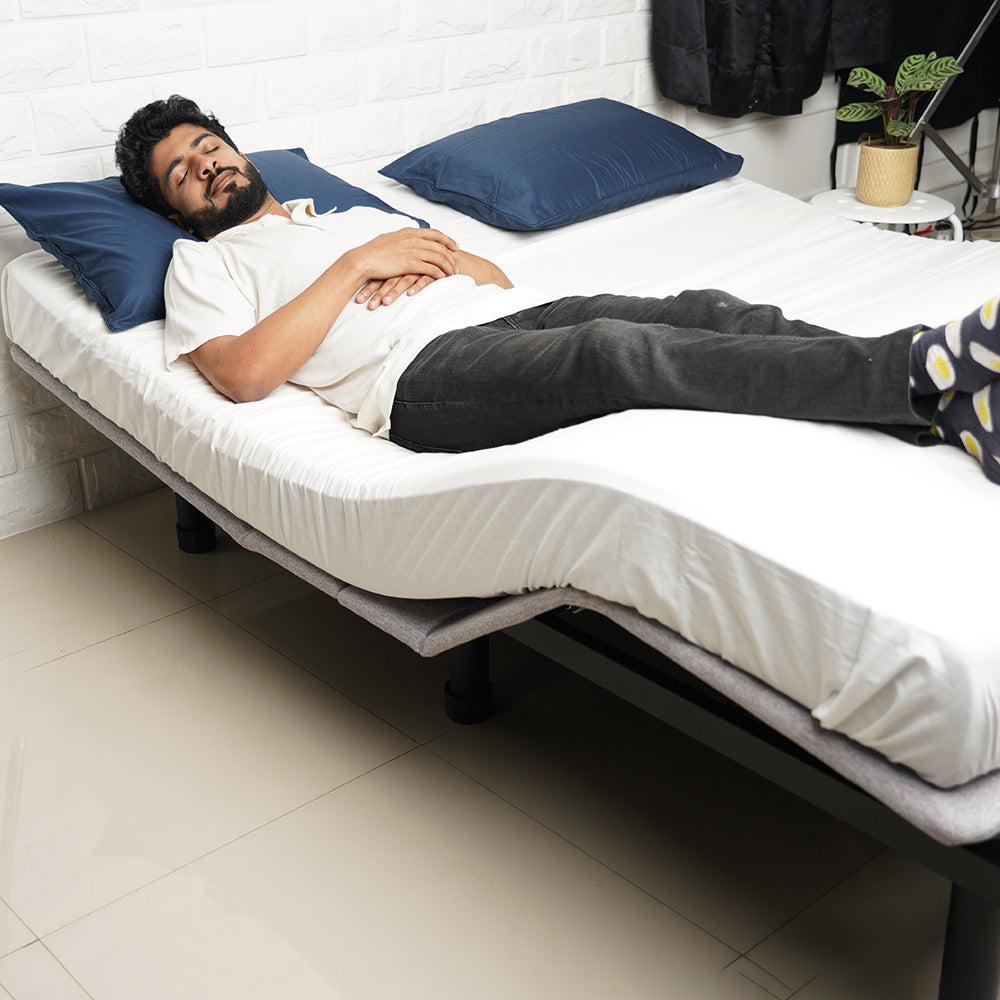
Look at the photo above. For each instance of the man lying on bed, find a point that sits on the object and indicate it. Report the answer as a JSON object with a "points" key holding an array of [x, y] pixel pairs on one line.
{"points": [[277, 293]]}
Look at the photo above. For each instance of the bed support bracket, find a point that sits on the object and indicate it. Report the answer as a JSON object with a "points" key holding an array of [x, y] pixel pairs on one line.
{"points": [[467, 692], [195, 530], [970, 966]]}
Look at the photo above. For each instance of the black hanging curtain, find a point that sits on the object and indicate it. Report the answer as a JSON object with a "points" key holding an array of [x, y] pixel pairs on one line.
{"points": [[731, 57], [944, 28]]}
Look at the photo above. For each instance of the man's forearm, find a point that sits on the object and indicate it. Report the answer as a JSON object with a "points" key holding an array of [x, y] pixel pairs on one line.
{"points": [[249, 366]]}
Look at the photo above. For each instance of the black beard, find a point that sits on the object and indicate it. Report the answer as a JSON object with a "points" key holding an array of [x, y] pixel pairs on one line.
{"points": [[242, 204]]}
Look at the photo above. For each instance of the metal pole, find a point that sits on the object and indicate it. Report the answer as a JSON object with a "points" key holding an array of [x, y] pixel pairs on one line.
{"points": [[992, 189], [963, 57]]}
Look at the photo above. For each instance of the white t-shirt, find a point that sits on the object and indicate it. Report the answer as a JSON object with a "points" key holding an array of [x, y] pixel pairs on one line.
{"points": [[227, 285]]}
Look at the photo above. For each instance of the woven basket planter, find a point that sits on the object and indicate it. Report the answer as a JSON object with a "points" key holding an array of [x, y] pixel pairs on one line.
{"points": [[886, 174]]}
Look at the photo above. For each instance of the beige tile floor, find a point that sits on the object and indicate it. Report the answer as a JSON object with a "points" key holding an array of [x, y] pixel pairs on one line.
{"points": [[216, 783]]}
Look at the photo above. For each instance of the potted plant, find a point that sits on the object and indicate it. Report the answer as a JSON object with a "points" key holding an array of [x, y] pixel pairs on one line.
{"points": [[887, 168]]}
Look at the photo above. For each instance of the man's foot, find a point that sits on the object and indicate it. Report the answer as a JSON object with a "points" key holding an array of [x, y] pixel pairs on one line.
{"points": [[972, 421], [963, 355]]}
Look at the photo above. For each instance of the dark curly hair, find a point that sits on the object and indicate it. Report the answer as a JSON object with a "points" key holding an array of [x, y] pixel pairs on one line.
{"points": [[143, 131]]}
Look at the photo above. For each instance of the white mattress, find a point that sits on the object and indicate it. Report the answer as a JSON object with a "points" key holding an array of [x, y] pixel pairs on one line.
{"points": [[853, 572]]}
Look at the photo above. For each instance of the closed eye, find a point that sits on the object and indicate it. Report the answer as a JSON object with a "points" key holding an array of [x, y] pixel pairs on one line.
{"points": [[171, 177], [180, 179]]}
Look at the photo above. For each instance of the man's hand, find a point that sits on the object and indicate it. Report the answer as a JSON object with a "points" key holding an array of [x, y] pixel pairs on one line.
{"points": [[378, 292], [403, 262], [420, 252], [384, 293]]}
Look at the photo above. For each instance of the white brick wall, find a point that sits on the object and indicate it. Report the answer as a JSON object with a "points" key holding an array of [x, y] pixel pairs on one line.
{"points": [[354, 83]]}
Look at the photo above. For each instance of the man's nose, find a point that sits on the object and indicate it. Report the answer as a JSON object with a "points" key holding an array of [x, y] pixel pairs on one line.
{"points": [[206, 164]]}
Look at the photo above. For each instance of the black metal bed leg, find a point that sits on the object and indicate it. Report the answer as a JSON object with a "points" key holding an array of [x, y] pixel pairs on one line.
{"points": [[970, 967], [467, 692], [195, 531]]}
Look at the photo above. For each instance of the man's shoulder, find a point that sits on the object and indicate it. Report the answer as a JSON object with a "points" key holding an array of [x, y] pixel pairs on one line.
{"points": [[192, 262], [190, 246]]}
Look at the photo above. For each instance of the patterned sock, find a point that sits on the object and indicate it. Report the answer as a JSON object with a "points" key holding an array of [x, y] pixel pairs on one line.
{"points": [[972, 421], [963, 355]]}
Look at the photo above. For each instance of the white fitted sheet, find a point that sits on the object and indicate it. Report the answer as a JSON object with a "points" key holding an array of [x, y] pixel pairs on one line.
{"points": [[852, 572]]}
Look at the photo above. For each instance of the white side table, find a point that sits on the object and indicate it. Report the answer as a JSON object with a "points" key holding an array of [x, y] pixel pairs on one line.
{"points": [[921, 208]]}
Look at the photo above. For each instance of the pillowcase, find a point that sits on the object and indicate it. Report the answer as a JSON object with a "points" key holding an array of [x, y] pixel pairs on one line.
{"points": [[119, 251], [548, 168]]}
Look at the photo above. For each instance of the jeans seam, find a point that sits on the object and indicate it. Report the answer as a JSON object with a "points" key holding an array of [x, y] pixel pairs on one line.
{"points": [[413, 446]]}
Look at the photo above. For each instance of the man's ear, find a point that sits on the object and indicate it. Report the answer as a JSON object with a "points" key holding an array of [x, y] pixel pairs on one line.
{"points": [[175, 217]]}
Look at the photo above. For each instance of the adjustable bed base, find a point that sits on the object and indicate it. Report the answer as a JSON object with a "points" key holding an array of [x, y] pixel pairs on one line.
{"points": [[690, 689], [770, 587]]}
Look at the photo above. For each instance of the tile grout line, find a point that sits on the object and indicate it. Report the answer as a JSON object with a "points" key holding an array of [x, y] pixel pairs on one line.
{"points": [[804, 909], [51, 955], [173, 583], [738, 955], [131, 628], [134, 558], [607, 867], [763, 989], [757, 965], [219, 847], [107, 638], [204, 603], [322, 680], [808, 906], [798, 992], [55, 959]]}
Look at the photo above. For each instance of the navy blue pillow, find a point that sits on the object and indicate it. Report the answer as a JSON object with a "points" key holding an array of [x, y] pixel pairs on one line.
{"points": [[548, 168], [119, 251]]}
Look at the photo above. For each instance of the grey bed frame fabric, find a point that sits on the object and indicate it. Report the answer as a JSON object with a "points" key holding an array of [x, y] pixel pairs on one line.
{"points": [[952, 831]]}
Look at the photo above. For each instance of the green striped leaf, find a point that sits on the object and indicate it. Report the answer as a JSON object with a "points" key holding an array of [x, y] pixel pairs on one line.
{"points": [[926, 73], [899, 129], [864, 79], [911, 69], [862, 111], [940, 70]]}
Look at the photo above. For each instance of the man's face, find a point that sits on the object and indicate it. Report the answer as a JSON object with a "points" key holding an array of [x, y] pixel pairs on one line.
{"points": [[210, 186]]}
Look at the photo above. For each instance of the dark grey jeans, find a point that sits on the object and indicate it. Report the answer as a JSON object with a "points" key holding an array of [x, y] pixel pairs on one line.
{"points": [[583, 357]]}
